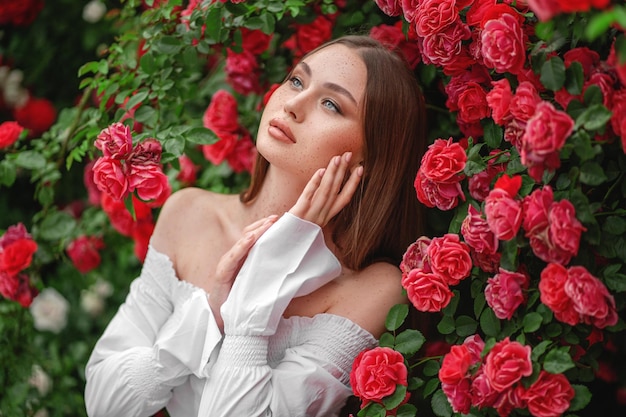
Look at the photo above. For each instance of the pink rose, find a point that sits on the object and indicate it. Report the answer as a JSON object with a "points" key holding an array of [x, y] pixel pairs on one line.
{"points": [[503, 45], [477, 74], [565, 230], [510, 399], [546, 133], [446, 49], [503, 214], [17, 288], [83, 251], [549, 396], [376, 373], [476, 232], [110, 177], [146, 152], [536, 207], [552, 292], [506, 363], [499, 100], [409, 9], [450, 258], [9, 133], [483, 394], [505, 292], [17, 255], [459, 395], [415, 256], [433, 16], [390, 7], [486, 261], [14, 233], [590, 298], [149, 182], [428, 292], [115, 141], [443, 195], [93, 193], [544, 9], [444, 161]]}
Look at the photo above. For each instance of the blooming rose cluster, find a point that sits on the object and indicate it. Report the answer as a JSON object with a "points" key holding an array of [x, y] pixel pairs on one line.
{"points": [[376, 373], [576, 296], [242, 68], [496, 380], [431, 266], [124, 168], [234, 144], [16, 254], [84, 252], [438, 180]]}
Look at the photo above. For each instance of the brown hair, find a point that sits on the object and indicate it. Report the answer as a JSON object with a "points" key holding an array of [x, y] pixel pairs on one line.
{"points": [[384, 216]]}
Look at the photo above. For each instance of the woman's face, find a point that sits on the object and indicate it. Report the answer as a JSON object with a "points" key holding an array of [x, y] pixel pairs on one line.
{"points": [[316, 113]]}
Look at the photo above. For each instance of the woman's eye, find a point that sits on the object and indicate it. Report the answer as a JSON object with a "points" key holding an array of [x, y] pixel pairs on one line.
{"points": [[329, 104], [295, 81]]}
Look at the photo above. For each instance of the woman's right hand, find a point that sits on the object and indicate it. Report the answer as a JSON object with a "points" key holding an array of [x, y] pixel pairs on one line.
{"points": [[230, 263]]}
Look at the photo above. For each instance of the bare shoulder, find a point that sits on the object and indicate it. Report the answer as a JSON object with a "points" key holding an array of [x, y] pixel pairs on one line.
{"points": [[183, 214], [366, 296]]}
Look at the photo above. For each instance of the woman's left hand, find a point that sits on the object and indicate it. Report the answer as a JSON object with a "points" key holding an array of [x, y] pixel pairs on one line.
{"points": [[324, 197]]}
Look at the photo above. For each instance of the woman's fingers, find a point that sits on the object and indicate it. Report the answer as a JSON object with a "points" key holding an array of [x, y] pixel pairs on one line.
{"points": [[325, 194]]}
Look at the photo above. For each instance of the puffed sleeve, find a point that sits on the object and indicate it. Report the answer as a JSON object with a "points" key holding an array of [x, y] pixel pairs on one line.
{"points": [[163, 332], [290, 259]]}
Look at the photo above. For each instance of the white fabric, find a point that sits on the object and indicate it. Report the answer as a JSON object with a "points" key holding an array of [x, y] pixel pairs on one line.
{"points": [[163, 347]]}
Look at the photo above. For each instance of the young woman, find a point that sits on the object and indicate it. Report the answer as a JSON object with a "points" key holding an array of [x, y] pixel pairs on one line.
{"points": [[257, 304]]}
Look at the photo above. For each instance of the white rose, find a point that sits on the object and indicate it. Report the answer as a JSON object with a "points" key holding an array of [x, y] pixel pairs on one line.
{"points": [[93, 11], [40, 380], [103, 288], [92, 303], [49, 310]]}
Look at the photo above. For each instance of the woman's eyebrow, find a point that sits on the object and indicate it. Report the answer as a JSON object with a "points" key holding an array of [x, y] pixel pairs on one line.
{"points": [[331, 86]]}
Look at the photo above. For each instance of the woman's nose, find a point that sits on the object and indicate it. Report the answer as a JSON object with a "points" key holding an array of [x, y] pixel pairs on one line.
{"points": [[294, 107]]}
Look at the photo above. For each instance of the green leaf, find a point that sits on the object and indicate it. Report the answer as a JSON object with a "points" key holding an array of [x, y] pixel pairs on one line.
{"points": [[88, 67], [614, 225], [396, 316], [489, 323], [168, 45], [446, 325], [431, 368], [137, 98], [493, 134], [614, 280], [508, 259], [540, 349], [395, 399], [30, 160], [574, 78], [201, 136], [599, 24], [465, 326], [591, 173], [373, 410], [56, 225], [409, 341], [386, 340], [7, 173], [406, 410], [594, 117], [558, 360], [532, 322], [552, 74], [593, 95], [581, 399], [440, 405]]}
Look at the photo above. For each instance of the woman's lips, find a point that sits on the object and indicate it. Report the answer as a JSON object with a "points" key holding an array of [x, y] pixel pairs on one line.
{"points": [[280, 130]]}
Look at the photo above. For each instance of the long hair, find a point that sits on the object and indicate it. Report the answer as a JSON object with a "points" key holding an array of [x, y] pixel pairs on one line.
{"points": [[384, 216]]}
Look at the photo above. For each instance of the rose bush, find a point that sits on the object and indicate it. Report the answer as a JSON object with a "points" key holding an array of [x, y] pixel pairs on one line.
{"points": [[518, 286]]}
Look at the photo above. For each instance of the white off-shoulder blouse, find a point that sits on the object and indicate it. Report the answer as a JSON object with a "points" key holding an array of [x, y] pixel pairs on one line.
{"points": [[163, 348]]}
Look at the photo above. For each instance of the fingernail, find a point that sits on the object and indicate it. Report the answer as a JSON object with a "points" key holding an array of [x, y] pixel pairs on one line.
{"points": [[321, 172], [359, 170], [348, 156], [337, 159]]}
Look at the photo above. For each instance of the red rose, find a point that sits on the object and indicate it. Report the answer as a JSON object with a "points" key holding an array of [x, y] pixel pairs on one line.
{"points": [[552, 291], [499, 100], [17, 288], [428, 292], [475, 345], [549, 396], [450, 258], [93, 193], [120, 218], [221, 114], [503, 44], [188, 171], [510, 399], [109, 175], [37, 115], [536, 207], [505, 292], [524, 101], [564, 231], [546, 133], [476, 231], [19, 13], [459, 395], [455, 365], [310, 36], [444, 161], [506, 363], [243, 155], [217, 152], [141, 233], [376, 373], [444, 196], [409, 9], [146, 152], [9, 133], [242, 72], [115, 141], [472, 103], [17, 255], [255, 41], [8, 284], [486, 261], [389, 7], [394, 37], [83, 251], [149, 182], [446, 48]]}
